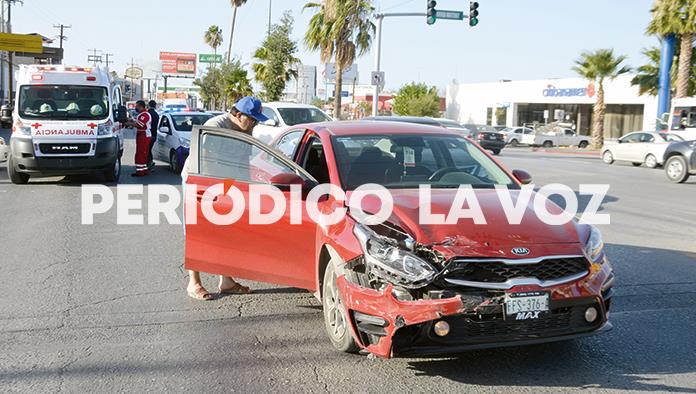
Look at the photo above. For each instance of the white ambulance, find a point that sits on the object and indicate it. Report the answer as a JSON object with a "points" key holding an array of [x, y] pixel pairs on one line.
{"points": [[67, 121], [682, 118]]}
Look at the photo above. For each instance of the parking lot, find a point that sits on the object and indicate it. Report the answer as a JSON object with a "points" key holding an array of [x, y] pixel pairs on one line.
{"points": [[103, 307]]}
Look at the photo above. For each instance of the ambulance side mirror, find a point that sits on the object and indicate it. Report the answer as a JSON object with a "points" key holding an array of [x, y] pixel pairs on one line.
{"points": [[121, 114]]}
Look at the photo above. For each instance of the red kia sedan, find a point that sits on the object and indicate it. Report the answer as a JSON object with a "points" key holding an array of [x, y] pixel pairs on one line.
{"points": [[399, 288]]}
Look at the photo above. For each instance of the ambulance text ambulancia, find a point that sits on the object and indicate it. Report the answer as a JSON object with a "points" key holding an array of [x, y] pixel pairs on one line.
{"points": [[66, 123]]}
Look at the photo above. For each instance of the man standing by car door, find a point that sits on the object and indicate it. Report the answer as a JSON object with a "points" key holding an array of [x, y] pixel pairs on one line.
{"points": [[243, 117], [152, 110]]}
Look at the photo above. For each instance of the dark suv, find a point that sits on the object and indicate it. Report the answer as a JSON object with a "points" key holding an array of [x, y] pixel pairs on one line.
{"points": [[680, 161]]}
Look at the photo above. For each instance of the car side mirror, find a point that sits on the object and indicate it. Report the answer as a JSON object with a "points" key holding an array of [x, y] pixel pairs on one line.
{"points": [[619, 141], [523, 176], [121, 114], [271, 122], [284, 180], [165, 130]]}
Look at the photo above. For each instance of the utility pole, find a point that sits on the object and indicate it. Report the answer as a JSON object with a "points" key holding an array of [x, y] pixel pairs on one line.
{"points": [[94, 58], [10, 79], [270, 6], [108, 55], [62, 36]]}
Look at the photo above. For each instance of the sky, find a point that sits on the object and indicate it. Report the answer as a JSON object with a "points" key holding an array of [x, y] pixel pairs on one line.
{"points": [[515, 39]]}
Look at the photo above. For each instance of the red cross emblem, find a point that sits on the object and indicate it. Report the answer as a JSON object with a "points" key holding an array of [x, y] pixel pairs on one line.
{"points": [[92, 125], [36, 125]]}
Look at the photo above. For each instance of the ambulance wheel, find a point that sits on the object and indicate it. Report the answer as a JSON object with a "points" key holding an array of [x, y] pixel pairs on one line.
{"points": [[174, 162], [114, 171], [18, 178]]}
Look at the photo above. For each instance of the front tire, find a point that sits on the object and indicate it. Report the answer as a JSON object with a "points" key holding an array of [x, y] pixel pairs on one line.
{"points": [[547, 144], [335, 316], [650, 161], [496, 152], [114, 172], [18, 178], [607, 157], [174, 163], [514, 142], [637, 164], [583, 144], [676, 169]]}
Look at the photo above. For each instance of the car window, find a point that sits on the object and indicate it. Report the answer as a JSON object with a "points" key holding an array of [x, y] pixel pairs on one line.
{"points": [[165, 122], [645, 137], [270, 114], [631, 138], [294, 116], [569, 132], [314, 161], [528, 131], [230, 158], [186, 122], [287, 144], [671, 137]]}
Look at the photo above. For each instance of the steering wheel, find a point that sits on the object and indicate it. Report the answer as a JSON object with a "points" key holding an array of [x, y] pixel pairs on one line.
{"points": [[441, 172]]}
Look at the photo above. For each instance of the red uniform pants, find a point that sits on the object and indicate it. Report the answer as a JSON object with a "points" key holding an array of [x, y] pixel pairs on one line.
{"points": [[142, 147]]}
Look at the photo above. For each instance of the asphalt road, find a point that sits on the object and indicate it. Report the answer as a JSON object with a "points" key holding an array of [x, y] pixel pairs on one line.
{"points": [[102, 308]]}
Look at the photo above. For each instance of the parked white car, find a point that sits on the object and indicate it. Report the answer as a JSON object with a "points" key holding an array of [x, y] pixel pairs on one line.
{"points": [[4, 150], [639, 147], [284, 115], [561, 137], [518, 136], [174, 137]]}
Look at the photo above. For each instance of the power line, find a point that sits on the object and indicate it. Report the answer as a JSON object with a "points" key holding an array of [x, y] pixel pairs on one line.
{"points": [[94, 58], [62, 36]]}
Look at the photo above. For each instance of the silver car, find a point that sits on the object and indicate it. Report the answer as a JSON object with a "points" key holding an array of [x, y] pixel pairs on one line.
{"points": [[639, 147]]}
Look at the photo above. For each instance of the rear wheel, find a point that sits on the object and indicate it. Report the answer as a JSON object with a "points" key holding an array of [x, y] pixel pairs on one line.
{"points": [[650, 161], [335, 315], [114, 172], [18, 178], [607, 157], [676, 169], [547, 144], [496, 152], [583, 144], [514, 142], [174, 162]]}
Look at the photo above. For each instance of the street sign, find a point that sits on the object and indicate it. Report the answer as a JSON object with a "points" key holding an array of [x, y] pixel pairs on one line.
{"points": [[209, 58], [134, 73], [21, 43], [453, 15], [377, 78]]}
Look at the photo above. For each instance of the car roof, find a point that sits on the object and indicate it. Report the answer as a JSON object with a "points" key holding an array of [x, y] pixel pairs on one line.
{"points": [[368, 127], [279, 104], [405, 119], [185, 113]]}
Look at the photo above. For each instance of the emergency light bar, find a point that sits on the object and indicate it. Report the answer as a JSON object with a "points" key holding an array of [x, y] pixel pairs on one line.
{"points": [[64, 69]]}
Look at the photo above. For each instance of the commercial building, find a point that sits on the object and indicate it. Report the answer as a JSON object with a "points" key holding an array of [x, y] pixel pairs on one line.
{"points": [[570, 100]]}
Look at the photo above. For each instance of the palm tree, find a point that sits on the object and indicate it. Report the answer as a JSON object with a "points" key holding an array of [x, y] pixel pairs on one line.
{"points": [[262, 68], [235, 4], [647, 76], [677, 17], [340, 29], [213, 37], [597, 66]]}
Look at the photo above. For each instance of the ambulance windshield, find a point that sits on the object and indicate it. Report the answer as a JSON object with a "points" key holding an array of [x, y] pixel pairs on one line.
{"points": [[63, 102]]}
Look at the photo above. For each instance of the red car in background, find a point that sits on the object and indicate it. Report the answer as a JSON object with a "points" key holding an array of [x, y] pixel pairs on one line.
{"points": [[402, 288]]}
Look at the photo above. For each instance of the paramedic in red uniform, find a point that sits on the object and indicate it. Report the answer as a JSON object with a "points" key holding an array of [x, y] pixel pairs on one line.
{"points": [[143, 124]]}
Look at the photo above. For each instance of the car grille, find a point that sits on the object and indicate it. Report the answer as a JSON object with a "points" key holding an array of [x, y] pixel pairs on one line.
{"points": [[495, 271], [558, 321], [65, 148]]}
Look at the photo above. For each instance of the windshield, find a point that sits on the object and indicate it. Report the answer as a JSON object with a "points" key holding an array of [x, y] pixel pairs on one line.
{"points": [[293, 116], [63, 102], [406, 161], [186, 122]]}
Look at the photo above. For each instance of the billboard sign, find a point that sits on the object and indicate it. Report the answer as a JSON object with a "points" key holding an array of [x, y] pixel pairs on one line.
{"points": [[31, 43], [134, 72], [181, 63], [350, 73]]}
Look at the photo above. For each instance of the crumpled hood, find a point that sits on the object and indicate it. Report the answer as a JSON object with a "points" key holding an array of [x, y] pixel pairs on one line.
{"points": [[465, 238]]}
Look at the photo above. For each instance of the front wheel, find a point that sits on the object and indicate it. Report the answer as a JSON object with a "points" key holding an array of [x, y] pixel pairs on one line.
{"points": [[607, 157], [514, 142], [114, 171], [174, 162], [496, 152], [637, 164], [18, 178], [650, 161], [335, 315], [676, 169], [547, 144], [583, 144]]}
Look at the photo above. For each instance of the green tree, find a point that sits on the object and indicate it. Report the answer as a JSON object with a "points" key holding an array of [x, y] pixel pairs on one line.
{"points": [[213, 38], [417, 99], [277, 63], [228, 83], [677, 17], [340, 29], [647, 76], [597, 66], [235, 4]]}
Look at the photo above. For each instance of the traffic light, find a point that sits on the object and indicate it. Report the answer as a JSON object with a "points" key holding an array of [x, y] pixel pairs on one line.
{"points": [[431, 18], [473, 13]]}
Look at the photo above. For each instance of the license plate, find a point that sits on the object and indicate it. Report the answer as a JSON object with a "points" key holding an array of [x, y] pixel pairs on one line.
{"points": [[527, 305]]}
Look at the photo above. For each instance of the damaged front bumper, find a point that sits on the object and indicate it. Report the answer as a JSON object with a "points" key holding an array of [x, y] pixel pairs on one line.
{"points": [[387, 326]]}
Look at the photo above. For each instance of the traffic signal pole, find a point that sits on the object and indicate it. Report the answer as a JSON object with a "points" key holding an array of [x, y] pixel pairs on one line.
{"points": [[378, 51]]}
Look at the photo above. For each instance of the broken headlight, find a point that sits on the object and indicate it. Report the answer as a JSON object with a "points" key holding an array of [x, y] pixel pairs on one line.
{"points": [[387, 260], [594, 245]]}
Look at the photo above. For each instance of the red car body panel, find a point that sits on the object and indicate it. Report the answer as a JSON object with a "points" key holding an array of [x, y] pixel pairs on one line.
{"points": [[290, 255]]}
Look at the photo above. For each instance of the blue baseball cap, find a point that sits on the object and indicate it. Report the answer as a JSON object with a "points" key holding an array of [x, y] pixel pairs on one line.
{"points": [[251, 106]]}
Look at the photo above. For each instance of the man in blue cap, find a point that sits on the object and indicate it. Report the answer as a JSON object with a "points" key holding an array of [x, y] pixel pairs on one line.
{"points": [[244, 116]]}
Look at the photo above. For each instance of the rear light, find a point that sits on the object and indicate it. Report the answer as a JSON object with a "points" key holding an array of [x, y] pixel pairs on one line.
{"points": [[479, 136], [37, 77], [91, 78]]}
